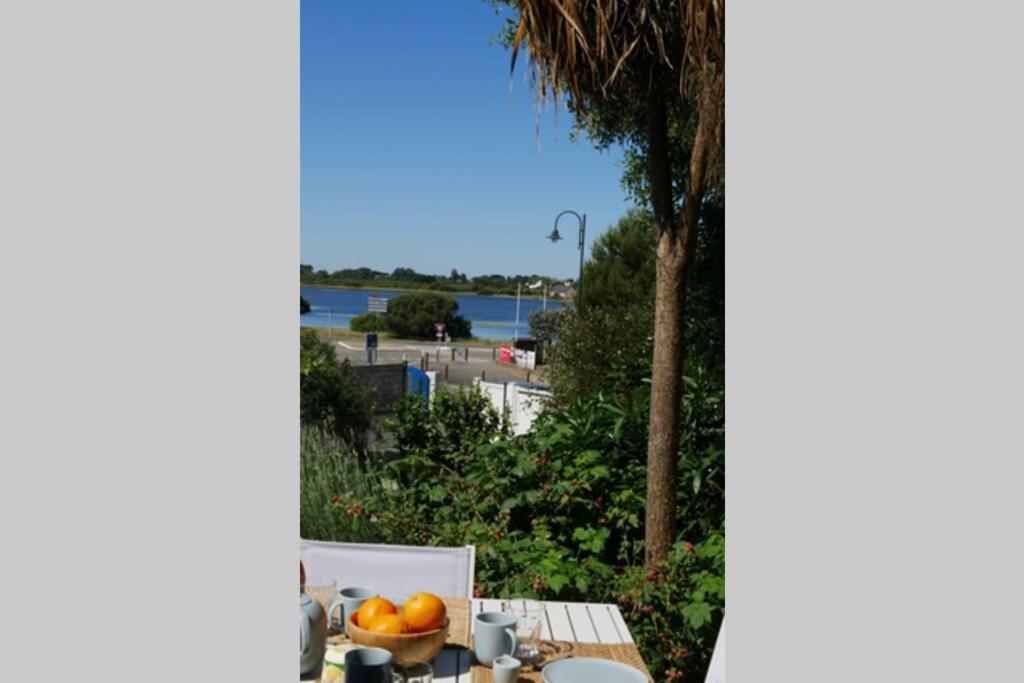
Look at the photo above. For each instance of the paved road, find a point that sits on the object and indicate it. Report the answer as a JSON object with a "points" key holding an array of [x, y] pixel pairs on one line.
{"points": [[481, 359]]}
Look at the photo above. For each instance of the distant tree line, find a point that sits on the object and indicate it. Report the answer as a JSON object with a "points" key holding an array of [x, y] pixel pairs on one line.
{"points": [[407, 278]]}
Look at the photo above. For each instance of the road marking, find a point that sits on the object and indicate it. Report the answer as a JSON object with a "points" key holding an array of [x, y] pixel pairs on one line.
{"points": [[352, 348]]}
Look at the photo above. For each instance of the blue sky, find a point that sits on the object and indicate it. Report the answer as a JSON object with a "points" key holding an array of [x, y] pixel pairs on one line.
{"points": [[415, 154]]}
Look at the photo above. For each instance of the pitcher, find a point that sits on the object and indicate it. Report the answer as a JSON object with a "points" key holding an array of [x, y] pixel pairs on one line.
{"points": [[312, 634]]}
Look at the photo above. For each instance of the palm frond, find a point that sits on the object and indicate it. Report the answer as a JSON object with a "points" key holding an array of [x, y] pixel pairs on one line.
{"points": [[617, 50]]}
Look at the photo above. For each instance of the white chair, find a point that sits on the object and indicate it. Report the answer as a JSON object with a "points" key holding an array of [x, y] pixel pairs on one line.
{"points": [[716, 669], [401, 569]]}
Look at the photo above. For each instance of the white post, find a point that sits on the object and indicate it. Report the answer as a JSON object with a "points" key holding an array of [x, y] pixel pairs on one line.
{"points": [[545, 299], [330, 324], [515, 332]]}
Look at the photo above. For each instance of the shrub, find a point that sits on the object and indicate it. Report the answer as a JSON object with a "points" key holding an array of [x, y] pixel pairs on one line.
{"points": [[545, 324], [458, 327], [328, 392], [601, 349], [364, 322], [447, 430], [415, 315], [675, 611], [331, 471]]}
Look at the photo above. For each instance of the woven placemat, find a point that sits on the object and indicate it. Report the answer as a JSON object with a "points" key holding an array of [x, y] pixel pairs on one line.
{"points": [[626, 653], [458, 624]]}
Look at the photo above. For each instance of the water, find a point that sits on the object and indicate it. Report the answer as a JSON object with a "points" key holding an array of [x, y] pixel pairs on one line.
{"points": [[492, 317]]}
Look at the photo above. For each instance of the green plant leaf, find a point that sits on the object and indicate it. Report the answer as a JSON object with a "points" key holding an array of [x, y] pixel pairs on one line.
{"points": [[697, 613], [558, 582]]}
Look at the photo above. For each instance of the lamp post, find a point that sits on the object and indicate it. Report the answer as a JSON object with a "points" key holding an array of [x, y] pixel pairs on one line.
{"points": [[554, 237]]}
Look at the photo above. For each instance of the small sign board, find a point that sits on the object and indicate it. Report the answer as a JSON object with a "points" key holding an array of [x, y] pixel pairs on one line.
{"points": [[371, 340], [377, 304]]}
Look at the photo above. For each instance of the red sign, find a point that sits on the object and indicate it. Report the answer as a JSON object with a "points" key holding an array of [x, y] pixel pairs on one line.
{"points": [[439, 327], [506, 354]]}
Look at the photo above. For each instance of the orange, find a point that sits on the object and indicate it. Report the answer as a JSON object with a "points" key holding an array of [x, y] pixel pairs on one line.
{"points": [[425, 612], [373, 608], [388, 623]]}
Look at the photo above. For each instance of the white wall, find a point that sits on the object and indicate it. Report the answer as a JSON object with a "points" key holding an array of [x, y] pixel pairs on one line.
{"points": [[528, 404], [524, 402], [434, 378]]}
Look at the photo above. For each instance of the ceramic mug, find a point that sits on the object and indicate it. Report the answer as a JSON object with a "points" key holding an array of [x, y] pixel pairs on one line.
{"points": [[494, 636], [333, 670], [351, 600], [370, 665], [505, 669]]}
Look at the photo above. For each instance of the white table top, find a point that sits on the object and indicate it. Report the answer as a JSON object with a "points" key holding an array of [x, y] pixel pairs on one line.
{"points": [[573, 621]]}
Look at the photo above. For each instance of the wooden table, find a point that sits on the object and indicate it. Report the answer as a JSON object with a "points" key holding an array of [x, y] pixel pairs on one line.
{"points": [[572, 621]]}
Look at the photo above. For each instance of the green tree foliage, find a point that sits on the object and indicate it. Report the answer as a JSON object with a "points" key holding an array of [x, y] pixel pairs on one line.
{"points": [[449, 429], [413, 316], [621, 268], [545, 324], [303, 305], [364, 322], [705, 308], [329, 395], [603, 349], [409, 275], [608, 344]]}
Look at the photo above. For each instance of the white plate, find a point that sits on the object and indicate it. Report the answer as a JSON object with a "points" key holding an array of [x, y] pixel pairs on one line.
{"points": [[591, 670]]}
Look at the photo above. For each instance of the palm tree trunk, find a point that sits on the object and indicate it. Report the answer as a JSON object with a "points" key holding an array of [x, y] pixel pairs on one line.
{"points": [[676, 242]]}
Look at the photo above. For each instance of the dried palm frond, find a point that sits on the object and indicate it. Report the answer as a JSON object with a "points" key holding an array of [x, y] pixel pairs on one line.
{"points": [[618, 50]]}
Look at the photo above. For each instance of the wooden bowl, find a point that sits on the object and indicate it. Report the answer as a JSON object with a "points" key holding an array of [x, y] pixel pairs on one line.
{"points": [[406, 647]]}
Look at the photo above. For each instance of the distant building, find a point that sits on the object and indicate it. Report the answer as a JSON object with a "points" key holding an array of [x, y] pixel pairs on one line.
{"points": [[562, 290], [535, 285]]}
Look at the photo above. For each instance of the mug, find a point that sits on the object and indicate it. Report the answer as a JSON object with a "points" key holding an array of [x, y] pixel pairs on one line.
{"points": [[370, 665], [506, 669], [351, 600], [334, 663], [495, 636]]}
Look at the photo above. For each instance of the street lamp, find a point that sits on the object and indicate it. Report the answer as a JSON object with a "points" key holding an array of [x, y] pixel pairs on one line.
{"points": [[555, 237]]}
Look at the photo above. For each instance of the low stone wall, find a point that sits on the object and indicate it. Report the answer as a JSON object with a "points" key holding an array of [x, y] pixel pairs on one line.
{"points": [[386, 383]]}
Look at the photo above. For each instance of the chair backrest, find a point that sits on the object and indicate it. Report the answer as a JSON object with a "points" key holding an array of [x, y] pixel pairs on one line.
{"points": [[716, 669], [401, 569]]}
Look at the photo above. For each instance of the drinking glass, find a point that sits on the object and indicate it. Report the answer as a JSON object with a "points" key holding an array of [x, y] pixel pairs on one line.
{"points": [[418, 672], [323, 589], [529, 616]]}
